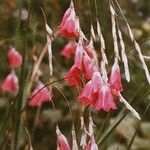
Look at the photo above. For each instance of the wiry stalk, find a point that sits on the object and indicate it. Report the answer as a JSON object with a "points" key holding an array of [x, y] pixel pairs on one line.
{"points": [[35, 69], [124, 57], [21, 96], [114, 32], [136, 45]]}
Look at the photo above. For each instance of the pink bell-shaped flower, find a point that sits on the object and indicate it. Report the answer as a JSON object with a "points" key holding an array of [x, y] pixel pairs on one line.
{"points": [[90, 91], [14, 58], [86, 95], [82, 66], [74, 74], [73, 77], [115, 80], [69, 26], [40, 95], [105, 99], [62, 143], [92, 145], [10, 83], [69, 49], [97, 94]]}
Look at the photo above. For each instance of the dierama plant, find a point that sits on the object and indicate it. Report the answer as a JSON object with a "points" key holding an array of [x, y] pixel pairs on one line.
{"points": [[99, 83]]}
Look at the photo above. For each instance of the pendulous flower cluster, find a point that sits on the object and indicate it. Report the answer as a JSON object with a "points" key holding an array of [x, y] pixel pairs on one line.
{"points": [[99, 89], [97, 93]]}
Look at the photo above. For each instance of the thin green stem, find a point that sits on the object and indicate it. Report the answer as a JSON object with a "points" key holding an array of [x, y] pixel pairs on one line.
{"points": [[111, 129], [69, 106], [21, 97]]}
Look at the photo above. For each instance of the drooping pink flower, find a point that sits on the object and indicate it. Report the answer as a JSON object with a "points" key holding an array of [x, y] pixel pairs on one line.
{"points": [[90, 91], [69, 26], [115, 80], [40, 95], [83, 61], [10, 83], [69, 49], [75, 73], [62, 143], [87, 95], [97, 94], [73, 77], [92, 145], [105, 99], [82, 66], [14, 58]]}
